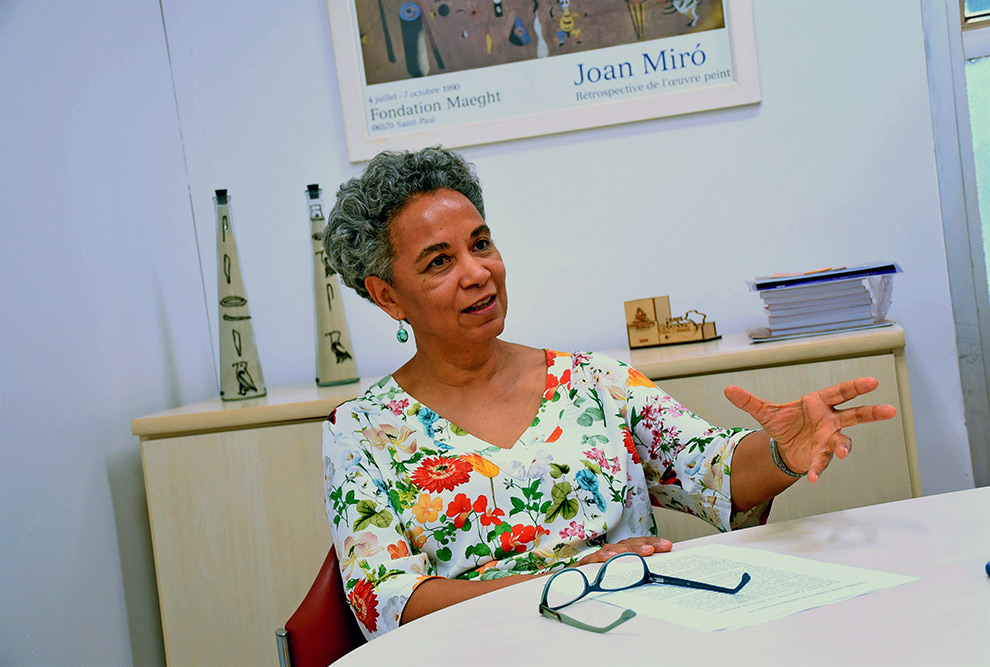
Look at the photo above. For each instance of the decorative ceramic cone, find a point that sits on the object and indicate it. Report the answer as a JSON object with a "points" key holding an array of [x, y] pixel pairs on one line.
{"points": [[334, 360], [240, 368]]}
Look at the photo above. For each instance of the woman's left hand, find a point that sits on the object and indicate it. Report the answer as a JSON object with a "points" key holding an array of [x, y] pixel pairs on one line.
{"points": [[644, 546], [808, 431]]}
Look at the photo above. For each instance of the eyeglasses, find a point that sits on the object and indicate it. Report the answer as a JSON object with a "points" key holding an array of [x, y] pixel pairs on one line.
{"points": [[570, 585]]}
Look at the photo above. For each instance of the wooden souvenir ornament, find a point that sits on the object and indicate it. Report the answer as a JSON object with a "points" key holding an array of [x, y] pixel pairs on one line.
{"points": [[240, 368], [649, 324], [691, 328], [334, 361], [641, 323], [686, 329]]}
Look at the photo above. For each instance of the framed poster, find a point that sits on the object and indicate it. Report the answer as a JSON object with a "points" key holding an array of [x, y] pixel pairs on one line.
{"points": [[465, 72]]}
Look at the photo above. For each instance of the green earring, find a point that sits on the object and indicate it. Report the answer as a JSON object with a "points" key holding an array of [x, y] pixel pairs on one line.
{"points": [[402, 335]]}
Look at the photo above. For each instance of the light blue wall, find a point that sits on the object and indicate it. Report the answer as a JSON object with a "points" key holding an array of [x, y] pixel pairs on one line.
{"points": [[102, 320], [978, 91], [102, 315]]}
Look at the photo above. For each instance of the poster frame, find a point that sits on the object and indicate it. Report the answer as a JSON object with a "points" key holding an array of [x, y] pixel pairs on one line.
{"points": [[743, 89]]}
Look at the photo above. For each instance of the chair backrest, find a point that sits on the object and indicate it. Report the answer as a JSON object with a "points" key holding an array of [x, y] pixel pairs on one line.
{"points": [[323, 628]]}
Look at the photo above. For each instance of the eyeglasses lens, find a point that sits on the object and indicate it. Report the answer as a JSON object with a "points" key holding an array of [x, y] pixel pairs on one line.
{"points": [[566, 587], [623, 571]]}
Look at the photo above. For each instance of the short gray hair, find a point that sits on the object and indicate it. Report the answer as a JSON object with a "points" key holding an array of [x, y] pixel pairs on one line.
{"points": [[357, 238]]}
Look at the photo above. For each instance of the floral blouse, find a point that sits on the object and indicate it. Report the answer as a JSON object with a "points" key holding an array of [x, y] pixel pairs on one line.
{"points": [[410, 496]]}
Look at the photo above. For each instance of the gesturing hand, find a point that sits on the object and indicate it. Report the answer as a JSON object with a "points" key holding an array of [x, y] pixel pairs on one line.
{"points": [[808, 431]]}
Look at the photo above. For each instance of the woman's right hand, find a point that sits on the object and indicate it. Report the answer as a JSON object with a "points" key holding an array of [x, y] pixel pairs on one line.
{"points": [[644, 546]]}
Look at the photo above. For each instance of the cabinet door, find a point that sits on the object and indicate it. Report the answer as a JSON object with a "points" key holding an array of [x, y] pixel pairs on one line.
{"points": [[875, 472], [239, 532]]}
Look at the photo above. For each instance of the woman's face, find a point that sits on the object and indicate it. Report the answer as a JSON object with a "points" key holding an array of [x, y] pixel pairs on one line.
{"points": [[448, 279]]}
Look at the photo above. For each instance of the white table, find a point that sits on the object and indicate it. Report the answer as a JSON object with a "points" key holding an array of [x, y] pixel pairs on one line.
{"points": [[941, 619]]}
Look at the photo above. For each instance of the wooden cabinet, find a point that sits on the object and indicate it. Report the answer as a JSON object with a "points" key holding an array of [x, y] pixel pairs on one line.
{"points": [[235, 490], [235, 500]]}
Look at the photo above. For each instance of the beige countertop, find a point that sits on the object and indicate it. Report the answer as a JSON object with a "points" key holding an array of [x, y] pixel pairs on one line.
{"points": [[307, 402]]}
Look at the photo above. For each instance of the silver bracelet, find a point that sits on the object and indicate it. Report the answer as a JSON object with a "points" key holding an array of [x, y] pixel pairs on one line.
{"points": [[780, 462]]}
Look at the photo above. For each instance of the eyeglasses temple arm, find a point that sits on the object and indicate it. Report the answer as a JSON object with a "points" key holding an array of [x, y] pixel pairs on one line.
{"points": [[567, 620], [687, 583]]}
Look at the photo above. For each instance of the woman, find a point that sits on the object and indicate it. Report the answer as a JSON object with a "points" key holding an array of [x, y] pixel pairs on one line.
{"points": [[480, 463]]}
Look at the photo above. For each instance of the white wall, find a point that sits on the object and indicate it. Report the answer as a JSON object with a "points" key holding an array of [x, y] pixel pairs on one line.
{"points": [[103, 316], [102, 320]]}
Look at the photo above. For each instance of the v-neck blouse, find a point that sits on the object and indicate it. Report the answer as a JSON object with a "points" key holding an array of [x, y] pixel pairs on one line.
{"points": [[412, 496], [533, 432]]}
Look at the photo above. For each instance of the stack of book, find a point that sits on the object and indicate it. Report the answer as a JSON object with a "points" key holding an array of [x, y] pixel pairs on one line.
{"points": [[823, 301]]}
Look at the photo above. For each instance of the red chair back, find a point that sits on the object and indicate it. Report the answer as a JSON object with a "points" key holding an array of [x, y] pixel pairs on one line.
{"points": [[323, 628]]}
